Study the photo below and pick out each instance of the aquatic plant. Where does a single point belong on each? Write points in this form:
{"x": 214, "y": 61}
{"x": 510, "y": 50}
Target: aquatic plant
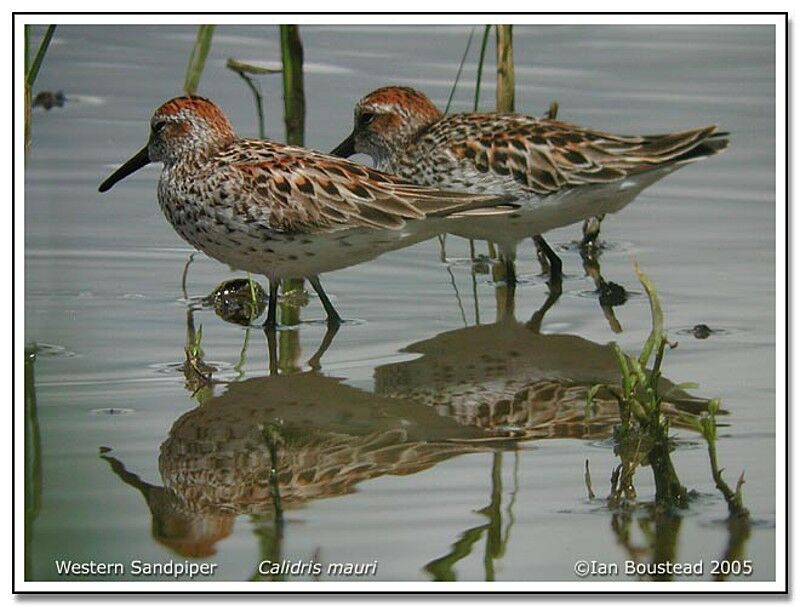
{"x": 479, "y": 75}
{"x": 706, "y": 424}
{"x": 642, "y": 437}
{"x": 497, "y": 538}
{"x": 458, "y": 73}
{"x": 505, "y": 68}
{"x": 294, "y": 100}
{"x": 197, "y": 60}
{"x": 245, "y": 72}
{"x": 32, "y": 70}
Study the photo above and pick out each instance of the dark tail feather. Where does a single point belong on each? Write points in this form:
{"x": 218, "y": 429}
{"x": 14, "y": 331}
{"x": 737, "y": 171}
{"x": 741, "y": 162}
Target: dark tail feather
{"x": 708, "y": 147}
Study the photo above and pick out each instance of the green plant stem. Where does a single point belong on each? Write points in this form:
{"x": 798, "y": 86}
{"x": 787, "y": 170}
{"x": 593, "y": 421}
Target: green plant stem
{"x": 458, "y": 73}
{"x": 484, "y": 41}
{"x": 33, "y": 71}
{"x": 733, "y": 498}
{"x": 294, "y": 103}
{"x": 245, "y": 71}
{"x": 258, "y": 100}
{"x": 197, "y": 60}
{"x": 239, "y": 367}
{"x": 27, "y": 41}
{"x": 587, "y": 478}
{"x": 669, "y": 490}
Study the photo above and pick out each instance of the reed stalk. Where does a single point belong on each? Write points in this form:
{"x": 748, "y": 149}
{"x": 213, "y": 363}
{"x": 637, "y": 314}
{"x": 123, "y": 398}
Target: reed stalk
{"x": 505, "y": 69}
{"x": 294, "y": 101}
{"x": 197, "y": 60}
{"x": 505, "y": 103}
{"x": 294, "y": 117}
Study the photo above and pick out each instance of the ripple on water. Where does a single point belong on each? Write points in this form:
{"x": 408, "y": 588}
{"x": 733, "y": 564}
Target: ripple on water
{"x": 677, "y": 444}
{"x": 703, "y": 331}
{"x": 111, "y": 411}
{"x": 621, "y": 246}
{"x": 176, "y": 368}
{"x": 594, "y": 294}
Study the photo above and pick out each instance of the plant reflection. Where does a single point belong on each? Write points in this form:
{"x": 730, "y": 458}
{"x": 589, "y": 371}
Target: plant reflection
{"x": 441, "y": 569}
{"x": 33, "y": 460}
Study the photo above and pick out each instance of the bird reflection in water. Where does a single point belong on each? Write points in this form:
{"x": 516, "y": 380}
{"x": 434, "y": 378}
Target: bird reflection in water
{"x": 479, "y": 389}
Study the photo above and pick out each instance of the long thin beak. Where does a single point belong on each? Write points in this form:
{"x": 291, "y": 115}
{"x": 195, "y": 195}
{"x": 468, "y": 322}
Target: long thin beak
{"x": 142, "y": 158}
{"x": 346, "y": 148}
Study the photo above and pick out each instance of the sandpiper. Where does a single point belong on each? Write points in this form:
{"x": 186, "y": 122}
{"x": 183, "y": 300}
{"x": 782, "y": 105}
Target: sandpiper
{"x": 523, "y": 156}
{"x": 279, "y": 210}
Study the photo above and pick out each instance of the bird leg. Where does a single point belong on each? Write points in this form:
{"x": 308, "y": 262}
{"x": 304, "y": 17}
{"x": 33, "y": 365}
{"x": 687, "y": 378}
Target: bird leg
{"x": 553, "y": 261}
{"x": 333, "y": 317}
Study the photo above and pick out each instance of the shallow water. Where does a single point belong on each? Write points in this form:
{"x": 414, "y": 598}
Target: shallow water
{"x": 403, "y": 446}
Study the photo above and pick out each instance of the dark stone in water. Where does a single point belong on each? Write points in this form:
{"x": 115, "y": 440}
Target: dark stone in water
{"x": 612, "y": 294}
{"x": 701, "y": 331}
{"x": 49, "y": 100}
{"x": 233, "y": 302}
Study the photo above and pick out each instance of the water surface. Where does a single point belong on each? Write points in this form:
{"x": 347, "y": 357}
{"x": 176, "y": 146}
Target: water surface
{"x": 403, "y": 447}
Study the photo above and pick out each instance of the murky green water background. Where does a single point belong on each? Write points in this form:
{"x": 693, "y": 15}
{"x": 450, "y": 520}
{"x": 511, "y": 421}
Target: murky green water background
{"x": 374, "y": 434}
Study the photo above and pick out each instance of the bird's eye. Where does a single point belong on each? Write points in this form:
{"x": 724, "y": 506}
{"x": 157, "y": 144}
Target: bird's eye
{"x": 366, "y": 118}
{"x": 159, "y": 126}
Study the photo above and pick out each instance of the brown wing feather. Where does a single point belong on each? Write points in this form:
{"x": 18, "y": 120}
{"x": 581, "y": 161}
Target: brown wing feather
{"x": 303, "y": 190}
{"x": 547, "y": 155}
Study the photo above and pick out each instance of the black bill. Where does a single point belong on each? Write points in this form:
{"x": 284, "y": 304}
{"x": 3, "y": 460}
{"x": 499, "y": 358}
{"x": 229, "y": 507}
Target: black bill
{"x": 141, "y": 159}
{"x": 346, "y": 148}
